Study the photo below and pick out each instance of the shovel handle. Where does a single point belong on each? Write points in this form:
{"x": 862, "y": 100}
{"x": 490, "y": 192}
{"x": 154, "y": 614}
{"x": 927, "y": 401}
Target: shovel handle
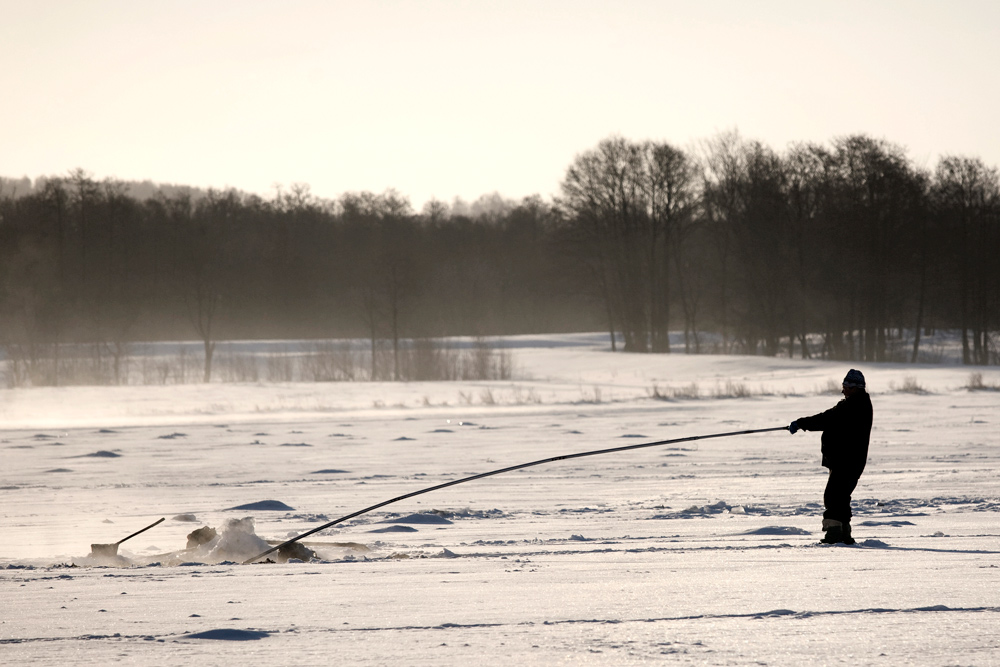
{"x": 140, "y": 531}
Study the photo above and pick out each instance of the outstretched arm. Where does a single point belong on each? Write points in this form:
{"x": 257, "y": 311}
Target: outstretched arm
{"x": 818, "y": 422}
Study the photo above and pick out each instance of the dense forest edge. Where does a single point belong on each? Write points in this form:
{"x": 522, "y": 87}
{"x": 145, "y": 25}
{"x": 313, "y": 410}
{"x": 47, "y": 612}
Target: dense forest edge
{"x": 829, "y": 251}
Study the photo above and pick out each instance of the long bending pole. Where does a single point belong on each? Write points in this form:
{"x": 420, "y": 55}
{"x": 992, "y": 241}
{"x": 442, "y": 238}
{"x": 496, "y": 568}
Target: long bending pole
{"x": 155, "y": 523}
{"x": 503, "y": 470}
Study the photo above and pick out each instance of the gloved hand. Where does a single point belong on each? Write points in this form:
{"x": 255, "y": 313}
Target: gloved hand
{"x": 793, "y": 427}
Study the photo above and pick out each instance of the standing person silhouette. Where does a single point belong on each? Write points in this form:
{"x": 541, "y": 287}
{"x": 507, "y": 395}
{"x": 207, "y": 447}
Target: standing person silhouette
{"x": 846, "y": 428}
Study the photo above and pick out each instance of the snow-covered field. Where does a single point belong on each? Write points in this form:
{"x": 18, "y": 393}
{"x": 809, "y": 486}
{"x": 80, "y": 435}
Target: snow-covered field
{"x": 702, "y": 552}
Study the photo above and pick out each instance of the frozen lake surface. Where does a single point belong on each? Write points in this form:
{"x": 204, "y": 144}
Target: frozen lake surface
{"x": 703, "y": 552}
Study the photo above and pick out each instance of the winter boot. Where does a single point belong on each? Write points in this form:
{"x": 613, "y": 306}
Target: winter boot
{"x": 846, "y": 538}
{"x": 834, "y": 531}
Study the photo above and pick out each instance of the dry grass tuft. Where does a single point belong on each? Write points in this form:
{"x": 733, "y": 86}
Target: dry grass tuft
{"x": 976, "y": 383}
{"x": 909, "y": 386}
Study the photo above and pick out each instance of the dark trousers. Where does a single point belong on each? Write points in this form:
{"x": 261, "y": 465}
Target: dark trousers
{"x": 837, "y": 496}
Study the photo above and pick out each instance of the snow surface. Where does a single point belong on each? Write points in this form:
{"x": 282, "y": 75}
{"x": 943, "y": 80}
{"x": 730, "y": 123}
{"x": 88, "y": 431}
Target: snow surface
{"x": 702, "y": 552}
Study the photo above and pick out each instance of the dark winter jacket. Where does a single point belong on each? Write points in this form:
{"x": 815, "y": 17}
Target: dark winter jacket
{"x": 847, "y": 428}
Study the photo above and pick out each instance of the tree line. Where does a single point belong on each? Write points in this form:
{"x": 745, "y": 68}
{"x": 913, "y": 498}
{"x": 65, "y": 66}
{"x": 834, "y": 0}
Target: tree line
{"x": 831, "y": 250}
{"x": 851, "y": 243}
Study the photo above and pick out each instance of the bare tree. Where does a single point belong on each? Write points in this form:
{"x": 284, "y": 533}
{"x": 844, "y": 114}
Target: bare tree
{"x": 205, "y": 251}
{"x": 626, "y": 201}
{"x": 967, "y": 198}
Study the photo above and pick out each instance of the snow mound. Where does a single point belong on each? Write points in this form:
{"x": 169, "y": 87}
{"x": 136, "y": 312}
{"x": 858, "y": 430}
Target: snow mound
{"x": 894, "y": 524}
{"x": 468, "y": 513}
{"x": 718, "y": 508}
{"x": 877, "y": 544}
{"x": 236, "y": 542}
{"x": 102, "y": 560}
{"x": 229, "y": 635}
{"x": 420, "y": 519}
{"x": 264, "y": 505}
{"x": 776, "y": 612}
{"x": 778, "y": 530}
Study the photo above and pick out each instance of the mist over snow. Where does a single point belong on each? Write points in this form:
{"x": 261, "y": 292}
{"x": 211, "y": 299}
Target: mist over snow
{"x": 698, "y": 552}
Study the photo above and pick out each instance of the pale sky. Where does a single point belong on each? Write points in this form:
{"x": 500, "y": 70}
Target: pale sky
{"x": 462, "y": 98}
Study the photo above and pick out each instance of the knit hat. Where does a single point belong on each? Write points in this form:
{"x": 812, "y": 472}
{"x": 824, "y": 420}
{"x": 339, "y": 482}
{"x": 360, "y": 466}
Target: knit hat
{"x": 854, "y": 379}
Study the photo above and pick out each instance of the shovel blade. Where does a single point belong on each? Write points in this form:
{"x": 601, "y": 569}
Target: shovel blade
{"x": 106, "y": 550}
